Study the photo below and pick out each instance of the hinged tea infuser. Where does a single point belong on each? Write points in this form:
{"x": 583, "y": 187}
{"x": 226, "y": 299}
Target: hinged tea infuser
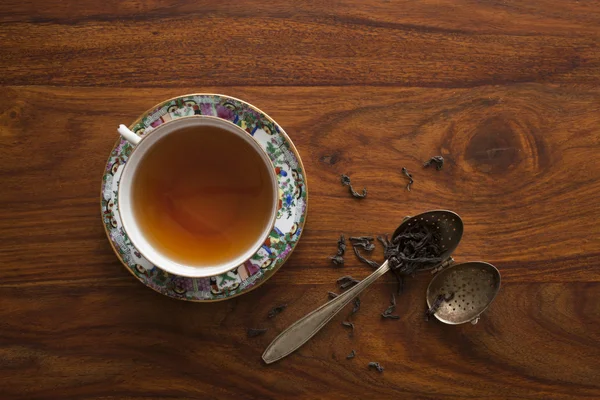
{"x": 469, "y": 288}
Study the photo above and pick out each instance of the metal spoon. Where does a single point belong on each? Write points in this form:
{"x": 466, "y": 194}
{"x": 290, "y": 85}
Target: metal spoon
{"x": 449, "y": 225}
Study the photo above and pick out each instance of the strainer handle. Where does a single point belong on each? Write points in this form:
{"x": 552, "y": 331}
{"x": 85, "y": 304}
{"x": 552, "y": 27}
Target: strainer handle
{"x": 306, "y": 327}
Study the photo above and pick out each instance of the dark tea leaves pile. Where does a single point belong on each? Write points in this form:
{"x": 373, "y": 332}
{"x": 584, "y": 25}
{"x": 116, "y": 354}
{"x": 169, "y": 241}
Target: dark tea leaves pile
{"x": 417, "y": 248}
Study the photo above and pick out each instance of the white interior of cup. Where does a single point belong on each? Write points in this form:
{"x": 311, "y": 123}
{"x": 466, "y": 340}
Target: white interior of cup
{"x": 132, "y": 228}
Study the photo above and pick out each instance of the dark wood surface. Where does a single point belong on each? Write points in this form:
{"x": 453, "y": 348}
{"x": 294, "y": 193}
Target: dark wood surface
{"x": 507, "y": 91}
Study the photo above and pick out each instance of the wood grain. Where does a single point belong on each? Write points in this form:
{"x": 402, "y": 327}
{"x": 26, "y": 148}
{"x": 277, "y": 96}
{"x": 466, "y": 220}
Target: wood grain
{"x": 400, "y": 43}
{"x": 508, "y": 92}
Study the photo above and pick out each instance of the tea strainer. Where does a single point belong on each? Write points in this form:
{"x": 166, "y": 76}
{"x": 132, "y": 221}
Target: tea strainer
{"x": 472, "y": 286}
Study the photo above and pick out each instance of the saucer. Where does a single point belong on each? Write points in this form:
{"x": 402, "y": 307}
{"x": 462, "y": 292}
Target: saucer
{"x": 291, "y": 213}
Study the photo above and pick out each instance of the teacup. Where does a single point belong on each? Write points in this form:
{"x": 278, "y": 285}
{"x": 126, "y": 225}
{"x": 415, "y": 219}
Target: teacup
{"x": 198, "y": 195}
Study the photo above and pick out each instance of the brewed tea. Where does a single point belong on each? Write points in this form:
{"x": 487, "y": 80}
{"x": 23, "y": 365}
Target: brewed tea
{"x": 202, "y": 196}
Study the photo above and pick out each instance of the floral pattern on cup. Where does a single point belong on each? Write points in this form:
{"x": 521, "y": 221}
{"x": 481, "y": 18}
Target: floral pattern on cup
{"x": 290, "y": 217}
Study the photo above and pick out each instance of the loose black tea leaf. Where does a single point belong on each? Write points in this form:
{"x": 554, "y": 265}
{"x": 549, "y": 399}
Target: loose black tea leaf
{"x": 437, "y": 304}
{"x": 341, "y": 245}
{"x": 349, "y": 325}
{"x": 366, "y": 261}
{"x": 409, "y": 176}
{"x": 358, "y": 195}
{"x": 252, "y": 332}
{"x": 363, "y": 242}
{"x": 388, "y": 311}
{"x": 356, "y": 305}
{"x": 399, "y": 281}
{"x": 276, "y": 310}
{"x": 347, "y": 281}
{"x": 347, "y": 284}
{"x": 346, "y": 182}
{"x": 389, "y": 251}
{"x": 376, "y": 365}
{"x": 337, "y": 260}
{"x": 361, "y": 238}
{"x": 351, "y": 355}
{"x": 332, "y": 295}
{"x": 344, "y": 278}
{"x": 364, "y": 245}
{"x": 437, "y": 160}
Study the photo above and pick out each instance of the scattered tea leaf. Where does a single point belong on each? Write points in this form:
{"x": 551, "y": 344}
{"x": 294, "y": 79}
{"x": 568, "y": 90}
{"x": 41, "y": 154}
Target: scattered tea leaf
{"x": 341, "y": 245}
{"x": 346, "y": 182}
{"x": 254, "y": 332}
{"x": 361, "y": 238}
{"x": 337, "y": 260}
{"x": 356, "y": 305}
{"x": 358, "y": 195}
{"x": 351, "y": 355}
{"x": 365, "y": 246}
{"x": 276, "y": 310}
{"x": 399, "y": 279}
{"x": 388, "y": 311}
{"x": 332, "y": 295}
{"x": 347, "y": 281}
{"x": 437, "y": 160}
{"x": 349, "y": 325}
{"x": 437, "y": 304}
{"x": 366, "y": 261}
{"x": 409, "y": 176}
{"x": 347, "y": 284}
{"x": 376, "y": 365}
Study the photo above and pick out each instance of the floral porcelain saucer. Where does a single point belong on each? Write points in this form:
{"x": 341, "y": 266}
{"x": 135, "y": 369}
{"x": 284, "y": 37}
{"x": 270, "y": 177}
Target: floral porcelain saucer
{"x": 290, "y": 216}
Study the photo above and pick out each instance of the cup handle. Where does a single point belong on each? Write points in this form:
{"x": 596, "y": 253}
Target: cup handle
{"x": 128, "y": 135}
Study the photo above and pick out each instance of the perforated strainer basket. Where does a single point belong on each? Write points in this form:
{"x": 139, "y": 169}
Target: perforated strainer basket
{"x": 470, "y": 287}
{"x": 474, "y": 286}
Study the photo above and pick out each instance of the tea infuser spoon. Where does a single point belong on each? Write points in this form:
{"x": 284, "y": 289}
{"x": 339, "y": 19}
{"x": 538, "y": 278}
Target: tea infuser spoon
{"x": 450, "y": 227}
{"x": 472, "y": 286}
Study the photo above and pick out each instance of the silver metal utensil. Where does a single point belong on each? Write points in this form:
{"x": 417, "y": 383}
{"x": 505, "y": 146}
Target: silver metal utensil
{"x": 450, "y": 227}
{"x": 472, "y": 287}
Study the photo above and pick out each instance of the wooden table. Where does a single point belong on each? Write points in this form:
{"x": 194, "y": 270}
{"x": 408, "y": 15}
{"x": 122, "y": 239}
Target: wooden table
{"x": 507, "y": 91}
